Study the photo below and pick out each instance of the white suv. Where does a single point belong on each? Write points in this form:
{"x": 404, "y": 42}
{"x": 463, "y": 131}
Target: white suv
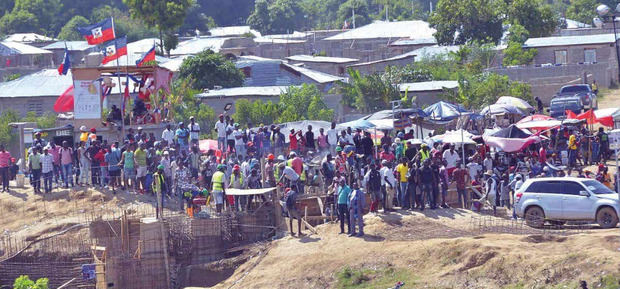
{"x": 558, "y": 200}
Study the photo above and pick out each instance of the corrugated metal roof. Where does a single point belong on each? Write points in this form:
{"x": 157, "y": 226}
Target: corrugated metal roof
{"x": 428, "y": 85}
{"x": 572, "y": 24}
{"x": 380, "y": 29}
{"x": 569, "y": 40}
{"x": 174, "y": 64}
{"x": 133, "y": 57}
{"x": 20, "y": 48}
{"x": 46, "y": 82}
{"x": 27, "y": 37}
{"x": 325, "y": 59}
{"x": 419, "y": 41}
{"x": 142, "y": 46}
{"x": 233, "y": 31}
{"x": 245, "y": 91}
{"x": 294, "y": 35}
{"x": 71, "y": 45}
{"x": 435, "y": 50}
{"x": 394, "y": 58}
{"x": 197, "y": 45}
{"x": 317, "y": 76}
{"x": 278, "y": 40}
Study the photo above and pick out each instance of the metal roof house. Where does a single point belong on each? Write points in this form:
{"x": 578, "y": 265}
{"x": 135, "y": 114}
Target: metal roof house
{"x": 34, "y": 92}
{"x": 16, "y": 54}
{"x": 218, "y": 98}
{"x": 34, "y": 39}
{"x": 231, "y": 47}
{"x": 427, "y": 92}
{"x": 562, "y": 50}
{"x": 77, "y": 50}
{"x": 330, "y": 65}
{"x": 374, "y": 41}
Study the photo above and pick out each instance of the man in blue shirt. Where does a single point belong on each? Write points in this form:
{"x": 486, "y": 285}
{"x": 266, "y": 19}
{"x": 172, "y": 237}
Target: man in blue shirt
{"x": 182, "y": 135}
{"x": 357, "y": 202}
{"x": 343, "y": 208}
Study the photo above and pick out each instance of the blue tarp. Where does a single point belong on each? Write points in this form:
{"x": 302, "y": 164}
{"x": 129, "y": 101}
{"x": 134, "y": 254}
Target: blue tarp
{"x": 443, "y": 111}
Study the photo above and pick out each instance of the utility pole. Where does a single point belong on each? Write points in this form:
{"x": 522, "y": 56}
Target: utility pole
{"x": 387, "y": 8}
{"x": 353, "y": 17}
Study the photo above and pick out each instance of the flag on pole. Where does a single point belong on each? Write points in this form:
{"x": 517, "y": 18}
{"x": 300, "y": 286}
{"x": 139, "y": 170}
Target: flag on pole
{"x": 146, "y": 57}
{"x": 114, "y": 49}
{"x": 98, "y": 33}
{"x": 65, "y": 65}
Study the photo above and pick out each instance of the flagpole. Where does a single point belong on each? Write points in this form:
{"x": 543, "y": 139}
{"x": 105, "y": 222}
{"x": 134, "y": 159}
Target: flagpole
{"x": 120, "y": 91}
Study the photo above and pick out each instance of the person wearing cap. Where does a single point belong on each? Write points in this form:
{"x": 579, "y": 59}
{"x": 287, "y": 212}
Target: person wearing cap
{"x": 66, "y": 162}
{"x": 238, "y": 134}
{"x": 83, "y": 133}
{"x": 388, "y": 181}
{"x": 219, "y": 187}
{"x": 270, "y": 171}
{"x": 85, "y": 161}
{"x": 140, "y": 156}
{"x": 399, "y": 148}
{"x": 138, "y": 136}
{"x": 194, "y": 130}
{"x": 38, "y": 140}
{"x": 168, "y": 135}
{"x": 47, "y": 169}
{"x": 34, "y": 165}
{"x": 237, "y": 182}
{"x": 182, "y": 136}
{"x": 5, "y": 162}
{"x": 159, "y": 188}
{"x": 401, "y": 171}
{"x": 167, "y": 163}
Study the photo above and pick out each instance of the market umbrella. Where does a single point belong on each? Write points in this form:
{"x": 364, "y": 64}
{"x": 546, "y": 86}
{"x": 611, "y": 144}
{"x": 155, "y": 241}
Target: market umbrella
{"x": 443, "y": 111}
{"x": 535, "y": 117}
{"x": 64, "y": 103}
{"x": 359, "y": 123}
{"x": 516, "y": 102}
{"x": 501, "y": 108}
{"x": 455, "y": 137}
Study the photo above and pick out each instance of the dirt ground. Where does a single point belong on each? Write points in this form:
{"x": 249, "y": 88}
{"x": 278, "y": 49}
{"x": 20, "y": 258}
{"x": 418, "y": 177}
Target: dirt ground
{"x": 424, "y": 252}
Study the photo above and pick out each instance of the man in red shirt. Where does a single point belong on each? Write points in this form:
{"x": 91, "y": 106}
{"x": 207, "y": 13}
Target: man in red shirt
{"x": 292, "y": 138}
{"x": 5, "y": 162}
{"x": 460, "y": 178}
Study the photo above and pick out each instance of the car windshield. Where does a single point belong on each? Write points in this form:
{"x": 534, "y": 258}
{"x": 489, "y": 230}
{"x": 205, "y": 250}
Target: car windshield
{"x": 597, "y": 188}
{"x": 575, "y": 89}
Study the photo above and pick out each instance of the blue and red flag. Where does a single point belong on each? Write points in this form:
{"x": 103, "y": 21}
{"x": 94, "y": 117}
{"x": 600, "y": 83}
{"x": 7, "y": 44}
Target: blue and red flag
{"x": 65, "y": 65}
{"x": 146, "y": 57}
{"x": 98, "y": 33}
{"x": 114, "y": 49}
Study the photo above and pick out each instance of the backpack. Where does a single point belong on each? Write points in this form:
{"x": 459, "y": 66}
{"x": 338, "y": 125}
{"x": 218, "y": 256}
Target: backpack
{"x": 374, "y": 180}
{"x": 291, "y": 198}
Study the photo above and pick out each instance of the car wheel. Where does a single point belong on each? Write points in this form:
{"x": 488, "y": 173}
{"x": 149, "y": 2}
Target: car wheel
{"x": 606, "y": 218}
{"x": 535, "y": 217}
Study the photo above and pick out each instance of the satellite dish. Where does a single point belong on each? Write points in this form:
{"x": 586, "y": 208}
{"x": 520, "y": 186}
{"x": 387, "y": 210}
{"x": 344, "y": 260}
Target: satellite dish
{"x": 602, "y": 9}
{"x": 598, "y": 22}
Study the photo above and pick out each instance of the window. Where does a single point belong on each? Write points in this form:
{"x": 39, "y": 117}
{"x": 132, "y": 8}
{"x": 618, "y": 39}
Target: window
{"x": 560, "y": 57}
{"x": 589, "y": 55}
{"x": 36, "y": 107}
{"x": 545, "y": 187}
{"x": 597, "y": 188}
{"x": 571, "y": 188}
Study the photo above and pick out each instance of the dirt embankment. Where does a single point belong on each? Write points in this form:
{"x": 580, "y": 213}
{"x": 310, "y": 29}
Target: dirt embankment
{"x": 425, "y": 252}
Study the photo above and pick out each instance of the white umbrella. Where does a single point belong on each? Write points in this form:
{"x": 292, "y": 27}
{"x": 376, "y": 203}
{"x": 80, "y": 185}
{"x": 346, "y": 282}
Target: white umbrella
{"x": 516, "y": 102}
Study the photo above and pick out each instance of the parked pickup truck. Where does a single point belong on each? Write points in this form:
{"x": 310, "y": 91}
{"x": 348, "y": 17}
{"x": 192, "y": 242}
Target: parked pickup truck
{"x": 584, "y": 91}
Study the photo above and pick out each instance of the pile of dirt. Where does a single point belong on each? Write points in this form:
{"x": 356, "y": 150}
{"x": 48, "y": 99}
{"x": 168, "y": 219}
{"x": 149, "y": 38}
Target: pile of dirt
{"x": 383, "y": 257}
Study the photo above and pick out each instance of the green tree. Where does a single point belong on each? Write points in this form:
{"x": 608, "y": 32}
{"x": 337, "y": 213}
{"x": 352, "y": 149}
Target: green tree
{"x": 184, "y": 104}
{"x": 229, "y": 12}
{"x": 170, "y": 42}
{"x": 45, "y": 11}
{"x": 514, "y": 54}
{"x": 460, "y": 21}
{"x": 208, "y": 69}
{"x": 303, "y": 102}
{"x": 6, "y": 117}
{"x": 582, "y": 10}
{"x": 285, "y": 16}
{"x": 196, "y": 19}
{"x": 164, "y": 15}
{"x": 69, "y": 31}
{"x": 367, "y": 93}
{"x": 23, "y": 282}
{"x": 259, "y": 19}
{"x": 20, "y": 21}
{"x": 537, "y": 17}
{"x": 362, "y": 14}
{"x": 47, "y": 120}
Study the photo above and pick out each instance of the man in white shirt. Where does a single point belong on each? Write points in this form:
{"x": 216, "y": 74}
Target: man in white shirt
{"x": 487, "y": 163}
{"x": 332, "y": 138}
{"x": 350, "y": 136}
{"x": 220, "y": 127}
{"x": 239, "y": 144}
{"x": 474, "y": 169}
{"x": 194, "y": 130}
{"x": 168, "y": 135}
{"x": 388, "y": 181}
{"x": 451, "y": 157}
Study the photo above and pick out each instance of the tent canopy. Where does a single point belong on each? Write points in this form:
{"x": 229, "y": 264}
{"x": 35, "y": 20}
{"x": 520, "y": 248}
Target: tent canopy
{"x": 357, "y": 124}
{"x": 512, "y": 132}
{"x": 535, "y": 117}
{"x": 387, "y": 114}
{"x": 443, "y": 111}
{"x": 495, "y": 109}
{"x": 455, "y": 137}
{"x": 516, "y": 102}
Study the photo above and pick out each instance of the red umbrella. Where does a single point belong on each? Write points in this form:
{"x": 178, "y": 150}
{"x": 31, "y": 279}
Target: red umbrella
{"x": 535, "y": 117}
{"x": 64, "y": 103}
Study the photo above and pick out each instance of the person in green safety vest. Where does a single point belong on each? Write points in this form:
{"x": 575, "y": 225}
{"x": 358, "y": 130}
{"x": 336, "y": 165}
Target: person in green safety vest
{"x": 424, "y": 153}
{"x": 159, "y": 187}
{"x": 219, "y": 187}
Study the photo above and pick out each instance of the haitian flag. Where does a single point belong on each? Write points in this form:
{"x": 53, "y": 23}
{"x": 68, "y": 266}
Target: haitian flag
{"x": 114, "y": 49}
{"x": 65, "y": 65}
{"x": 98, "y": 33}
{"x": 146, "y": 57}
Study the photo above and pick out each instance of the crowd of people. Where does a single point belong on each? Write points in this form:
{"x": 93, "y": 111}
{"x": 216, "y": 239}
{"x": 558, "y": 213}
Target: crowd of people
{"x": 395, "y": 171}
